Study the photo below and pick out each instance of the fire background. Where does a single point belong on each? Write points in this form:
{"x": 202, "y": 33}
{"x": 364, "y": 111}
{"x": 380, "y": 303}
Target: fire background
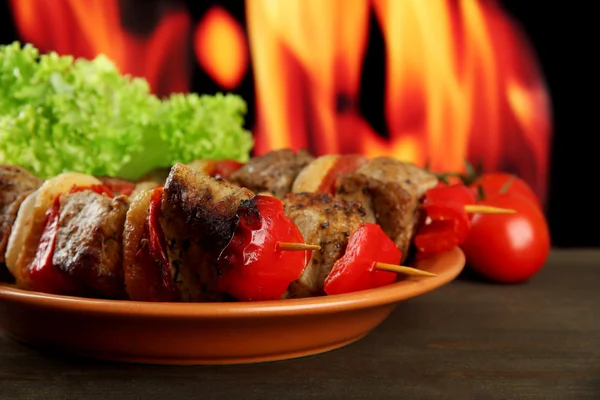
{"x": 560, "y": 35}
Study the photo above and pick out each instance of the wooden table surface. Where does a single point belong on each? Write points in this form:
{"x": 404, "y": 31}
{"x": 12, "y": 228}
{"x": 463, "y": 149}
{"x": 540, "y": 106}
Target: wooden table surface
{"x": 467, "y": 340}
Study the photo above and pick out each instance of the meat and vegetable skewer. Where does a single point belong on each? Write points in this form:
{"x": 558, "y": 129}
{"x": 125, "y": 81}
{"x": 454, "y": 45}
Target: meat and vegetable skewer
{"x": 180, "y": 241}
{"x": 66, "y": 238}
{"x": 391, "y": 192}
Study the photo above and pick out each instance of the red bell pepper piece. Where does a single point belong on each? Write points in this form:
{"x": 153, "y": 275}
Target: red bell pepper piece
{"x": 44, "y": 276}
{"x": 153, "y": 281}
{"x": 457, "y": 193}
{"x": 156, "y": 242}
{"x": 356, "y": 269}
{"x": 100, "y": 189}
{"x": 345, "y": 164}
{"x": 224, "y": 168}
{"x": 252, "y": 266}
{"x": 448, "y": 223}
{"x": 118, "y": 185}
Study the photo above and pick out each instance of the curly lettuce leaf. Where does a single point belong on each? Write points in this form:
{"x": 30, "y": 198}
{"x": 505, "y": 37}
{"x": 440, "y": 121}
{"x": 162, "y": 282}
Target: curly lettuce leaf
{"x": 59, "y": 114}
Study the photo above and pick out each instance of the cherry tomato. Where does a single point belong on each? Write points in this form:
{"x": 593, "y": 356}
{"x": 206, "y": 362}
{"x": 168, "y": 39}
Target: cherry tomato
{"x": 495, "y": 183}
{"x": 508, "y": 248}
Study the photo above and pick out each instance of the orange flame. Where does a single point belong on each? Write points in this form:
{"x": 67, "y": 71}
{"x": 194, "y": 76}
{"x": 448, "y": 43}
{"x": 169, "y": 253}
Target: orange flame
{"x": 88, "y": 28}
{"x": 221, "y": 49}
{"x": 460, "y": 83}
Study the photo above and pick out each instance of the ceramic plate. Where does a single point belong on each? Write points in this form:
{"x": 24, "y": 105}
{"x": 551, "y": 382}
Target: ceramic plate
{"x": 210, "y": 333}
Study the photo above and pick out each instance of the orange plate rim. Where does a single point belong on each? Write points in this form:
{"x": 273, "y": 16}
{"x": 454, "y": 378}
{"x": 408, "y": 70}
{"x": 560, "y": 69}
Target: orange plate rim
{"x": 411, "y": 286}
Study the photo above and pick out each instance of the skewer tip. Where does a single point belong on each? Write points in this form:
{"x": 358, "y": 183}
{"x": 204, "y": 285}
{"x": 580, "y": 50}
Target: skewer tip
{"x": 483, "y": 209}
{"x": 400, "y": 269}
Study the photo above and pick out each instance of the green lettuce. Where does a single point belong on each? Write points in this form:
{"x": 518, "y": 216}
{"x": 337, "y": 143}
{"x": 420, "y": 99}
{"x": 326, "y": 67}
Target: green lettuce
{"x": 62, "y": 114}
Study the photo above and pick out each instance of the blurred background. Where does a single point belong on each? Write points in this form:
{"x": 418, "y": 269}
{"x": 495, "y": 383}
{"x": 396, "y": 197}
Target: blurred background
{"x": 435, "y": 81}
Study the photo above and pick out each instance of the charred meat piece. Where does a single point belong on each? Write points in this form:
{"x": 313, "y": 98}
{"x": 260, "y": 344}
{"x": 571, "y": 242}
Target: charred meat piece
{"x": 391, "y": 192}
{"x": 327, "y": 222}
{"x": 274, "y": 172}
{"x": 198, "y": 220}
{"x": 16, "y": 183}
{"x": 89, "y": 245}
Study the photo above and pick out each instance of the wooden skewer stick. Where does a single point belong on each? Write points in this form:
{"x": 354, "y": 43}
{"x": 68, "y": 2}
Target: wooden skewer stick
{"x": 482, "y": 209}
{"x": 298, "y": 246}
{"x": 403, "y": 270}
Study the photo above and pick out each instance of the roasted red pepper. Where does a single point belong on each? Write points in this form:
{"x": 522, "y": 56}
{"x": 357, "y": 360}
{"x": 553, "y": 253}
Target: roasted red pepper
{"x": 44, "y": 276}
{"x": 345, "y": 164}
{"x": 118, "y": 185}
{"x": 153, "y": 279}
{"x": 356, "y": 269}
{"x": 447, "y": 222}
{"x": 224, "y": 168}
{"x": 100, "y": 189}
{"x": 156, "y": 239}
{"x": 252, "y": 266}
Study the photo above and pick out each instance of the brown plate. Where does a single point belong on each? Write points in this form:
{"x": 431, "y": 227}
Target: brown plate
{"x": 210, "y": 333}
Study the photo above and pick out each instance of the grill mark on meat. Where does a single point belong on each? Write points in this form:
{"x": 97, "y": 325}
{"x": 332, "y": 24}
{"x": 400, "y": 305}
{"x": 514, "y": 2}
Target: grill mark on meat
{"x": 16, "y": 184}
{"x": 325, "y": 221}
{"x": 198, "y": 220}
{"x": 89, "y": 244}
{"x": 273, "y": 172}
{"x": 391, "y": 192}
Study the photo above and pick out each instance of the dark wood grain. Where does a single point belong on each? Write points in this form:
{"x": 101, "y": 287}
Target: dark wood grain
{"x": 468, "y": 340}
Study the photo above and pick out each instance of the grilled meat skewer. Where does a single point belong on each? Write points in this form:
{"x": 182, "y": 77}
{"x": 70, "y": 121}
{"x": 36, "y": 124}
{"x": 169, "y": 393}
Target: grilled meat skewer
{"x": 391, "y": 193}
{"x": 273, "y": 172}
{"x": 327, "y": 222}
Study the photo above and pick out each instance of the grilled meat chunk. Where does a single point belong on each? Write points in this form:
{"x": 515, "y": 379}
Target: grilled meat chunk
{"x": 198, "y": 220}
{"x": 327, "y": 222}
{"x": 89, "y": 245}
{"x": 391, "y": 192}
{"x": 274, "y": 172}
{"x": 16, "y": 183}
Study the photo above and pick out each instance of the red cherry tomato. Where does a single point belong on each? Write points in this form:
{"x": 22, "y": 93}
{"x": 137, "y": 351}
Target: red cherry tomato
{"x": 495, "y": 183}
{"x": 508, "y": 248}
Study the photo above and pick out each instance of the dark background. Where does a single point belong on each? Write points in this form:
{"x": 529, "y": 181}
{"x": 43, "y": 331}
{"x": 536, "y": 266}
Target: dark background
{"x": 561, "y": 34}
